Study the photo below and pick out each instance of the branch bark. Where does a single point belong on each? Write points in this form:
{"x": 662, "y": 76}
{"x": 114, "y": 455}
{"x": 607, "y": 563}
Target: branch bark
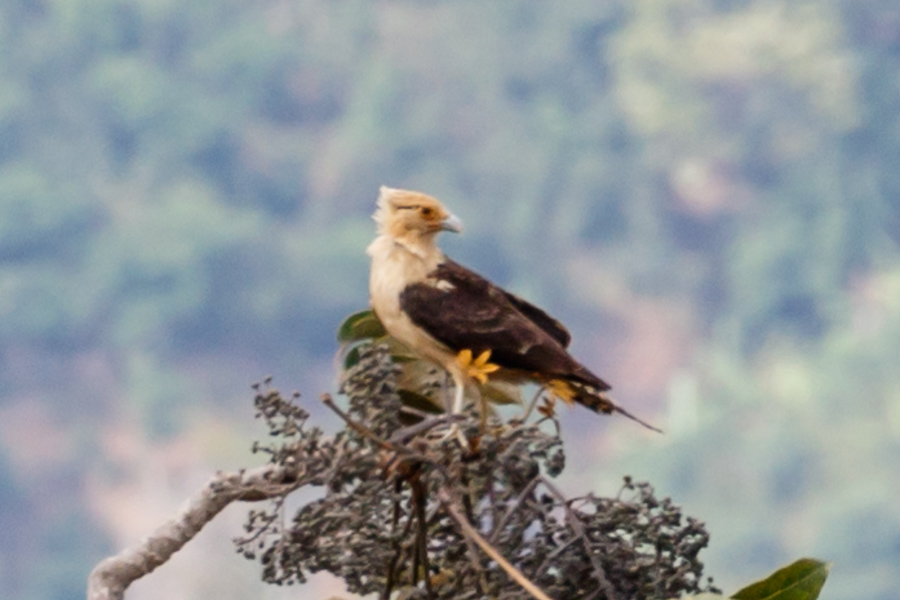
{"x": 470, "y": 532}
{"x": 112, "y": 576}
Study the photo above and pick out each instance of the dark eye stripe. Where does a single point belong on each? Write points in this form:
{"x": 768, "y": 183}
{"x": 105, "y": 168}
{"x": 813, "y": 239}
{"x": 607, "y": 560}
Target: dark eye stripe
{"x": 407, "y": 207}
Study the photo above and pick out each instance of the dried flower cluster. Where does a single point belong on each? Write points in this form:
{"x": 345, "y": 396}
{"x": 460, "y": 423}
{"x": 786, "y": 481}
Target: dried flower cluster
{"x": 408, "y": 511}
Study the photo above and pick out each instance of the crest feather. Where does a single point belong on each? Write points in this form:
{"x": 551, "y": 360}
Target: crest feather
{"x": 391, "y": 198}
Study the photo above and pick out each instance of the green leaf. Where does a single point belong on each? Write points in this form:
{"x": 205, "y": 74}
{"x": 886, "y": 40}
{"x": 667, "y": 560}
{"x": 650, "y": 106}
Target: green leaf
{"x": 351, "y": 358}
{"x": 801, "y": 580}
{"x": 419, "y": 401}
{"x": 501, "y": 392}
{"x": 362, "y": 325}
{"x": 404, "y": 358}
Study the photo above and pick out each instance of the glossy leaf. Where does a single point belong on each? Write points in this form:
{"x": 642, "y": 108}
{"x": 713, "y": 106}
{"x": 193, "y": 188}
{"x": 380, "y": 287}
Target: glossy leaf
{"x": 501, "y": 392}
{"x": 801, "y": 580}
{"x": 351, "y": 358}
{"x": 363, "y": 325}
{"x": 419, "y": 401}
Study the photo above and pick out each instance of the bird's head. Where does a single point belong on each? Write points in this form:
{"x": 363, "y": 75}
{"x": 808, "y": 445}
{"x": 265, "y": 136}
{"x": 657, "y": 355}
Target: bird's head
{"x": 412, "y": 216}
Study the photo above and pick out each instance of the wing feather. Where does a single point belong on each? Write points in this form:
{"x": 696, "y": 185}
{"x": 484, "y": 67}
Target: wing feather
{"x": 455, "y": 274}
{"x": 464, "y": 310}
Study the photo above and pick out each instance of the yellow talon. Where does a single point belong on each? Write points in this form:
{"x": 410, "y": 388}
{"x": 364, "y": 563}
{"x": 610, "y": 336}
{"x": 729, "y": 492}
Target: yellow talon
{"x": 478, "y": 368}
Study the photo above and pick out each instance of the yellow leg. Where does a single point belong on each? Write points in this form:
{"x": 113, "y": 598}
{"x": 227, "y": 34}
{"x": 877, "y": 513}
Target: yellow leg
{"x": 446, "y": 398}
{"x": 459, "y": 397}
{"x": 459, "y": 403}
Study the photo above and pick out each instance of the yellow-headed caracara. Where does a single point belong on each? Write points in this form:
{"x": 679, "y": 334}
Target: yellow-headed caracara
{"x": 460, "y": 320}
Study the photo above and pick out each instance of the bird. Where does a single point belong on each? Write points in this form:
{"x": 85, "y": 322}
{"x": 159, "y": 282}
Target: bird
{"x": 459, "y": 320}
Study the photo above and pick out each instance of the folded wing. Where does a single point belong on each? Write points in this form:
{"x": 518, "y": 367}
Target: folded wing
{"x": 463, "y": 310}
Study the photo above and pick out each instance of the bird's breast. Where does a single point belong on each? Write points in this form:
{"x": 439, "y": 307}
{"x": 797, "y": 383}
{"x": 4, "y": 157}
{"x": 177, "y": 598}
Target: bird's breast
{"x": 393, "y": 269}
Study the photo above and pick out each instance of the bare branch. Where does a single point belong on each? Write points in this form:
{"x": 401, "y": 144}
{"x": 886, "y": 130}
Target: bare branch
{"x": 472, "y": 533}
{"x": 576, "y": 526}
{"x": 111, "y": 577}
{"x": 501, "y": 523}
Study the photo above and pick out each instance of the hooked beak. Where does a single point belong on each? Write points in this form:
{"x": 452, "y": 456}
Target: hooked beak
{"x": 452, "y": 223}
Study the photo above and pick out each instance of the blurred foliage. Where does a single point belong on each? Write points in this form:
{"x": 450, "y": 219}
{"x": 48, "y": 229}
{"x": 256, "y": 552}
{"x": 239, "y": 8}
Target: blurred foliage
{"x": 186, "y": 185}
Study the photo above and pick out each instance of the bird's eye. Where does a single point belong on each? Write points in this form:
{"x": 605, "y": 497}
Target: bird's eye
{"x": 427, "y": 212}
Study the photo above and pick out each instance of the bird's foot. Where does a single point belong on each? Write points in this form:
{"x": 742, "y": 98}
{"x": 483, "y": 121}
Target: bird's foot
{"x": 476, "y": 368}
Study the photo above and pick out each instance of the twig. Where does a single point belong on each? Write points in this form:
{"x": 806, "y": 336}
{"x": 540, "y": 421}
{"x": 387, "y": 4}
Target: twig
{"x": 577, "y": 527}
{"x": 512, "y": 508}
{"x": 532, "y": 404}
{"x": 364, "y": 431}
{"x": 415, "y": 412}
{"x": 357, "y": 427}
{"x": 474, "y": 559}
{"x": 268, "y": 527}
{"x": 470, "y": 532}
{"x": 559, "y": 550}
{"x": 398, "y": 546}
{"x": 419, "y": 499}
{"x": 431, "y": 421}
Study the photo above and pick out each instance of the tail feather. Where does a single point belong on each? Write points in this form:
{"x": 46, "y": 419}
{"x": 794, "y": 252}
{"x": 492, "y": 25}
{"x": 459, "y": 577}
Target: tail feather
{"x": 595, "y": 399}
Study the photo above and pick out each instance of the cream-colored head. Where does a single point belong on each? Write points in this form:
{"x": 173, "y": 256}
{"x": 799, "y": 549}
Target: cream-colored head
{"x": 412, "y": 217}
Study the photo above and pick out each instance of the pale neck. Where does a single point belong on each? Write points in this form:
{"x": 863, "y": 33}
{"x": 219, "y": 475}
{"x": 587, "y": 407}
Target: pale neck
{"x": 422, "y": 247}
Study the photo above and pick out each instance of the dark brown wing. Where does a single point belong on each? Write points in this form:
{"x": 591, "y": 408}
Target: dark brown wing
{"x": 537, "y": 316}
{"x": 456, "y": 274}
{"x": 464, "y": 310}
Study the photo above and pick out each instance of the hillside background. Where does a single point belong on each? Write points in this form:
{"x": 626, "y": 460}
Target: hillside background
{"x": 706, "y": 191}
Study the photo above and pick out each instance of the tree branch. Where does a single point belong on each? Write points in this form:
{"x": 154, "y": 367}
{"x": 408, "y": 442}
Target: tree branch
{"x": 578, "y": 528}
{"x": 470, "y": 532}
{"x": 112, "y": 576}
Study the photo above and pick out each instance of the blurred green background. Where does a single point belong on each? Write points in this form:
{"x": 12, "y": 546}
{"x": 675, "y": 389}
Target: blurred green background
{"x": 706, "y": 191}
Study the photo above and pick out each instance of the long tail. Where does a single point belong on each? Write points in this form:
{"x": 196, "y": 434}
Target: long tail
{"x": 589, "y": 396}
